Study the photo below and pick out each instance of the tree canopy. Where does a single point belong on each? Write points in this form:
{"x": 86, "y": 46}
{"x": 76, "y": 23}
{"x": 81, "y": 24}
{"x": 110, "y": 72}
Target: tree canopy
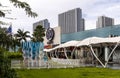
{"x": 5, "y": 66}
{"x": 38, "y": 34}
{"x": 22, "y": 5}
{"x": 22, "y": 35}
{"x": 18, "y": 4}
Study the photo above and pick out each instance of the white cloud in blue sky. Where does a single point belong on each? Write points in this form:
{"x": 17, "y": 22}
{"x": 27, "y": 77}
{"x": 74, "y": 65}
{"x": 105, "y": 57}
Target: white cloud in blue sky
{"x": 50, "y": 9}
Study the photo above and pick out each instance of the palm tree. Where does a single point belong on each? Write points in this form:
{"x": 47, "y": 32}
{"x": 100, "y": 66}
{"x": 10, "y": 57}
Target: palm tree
{"x": 14, "y": 43}
{"x": 21, "y": 35}
{"x": 2, "y": 39}
{"x": 38, "y": 34}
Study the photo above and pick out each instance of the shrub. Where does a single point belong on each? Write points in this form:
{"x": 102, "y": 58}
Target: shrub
{"x": 13, "y": 55}
{"x": 5, "y": 66}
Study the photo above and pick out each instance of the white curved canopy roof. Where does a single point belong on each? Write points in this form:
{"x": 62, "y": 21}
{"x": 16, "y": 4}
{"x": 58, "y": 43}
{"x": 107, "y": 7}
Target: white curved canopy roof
{"x": 47, "y": 50}
{"x": 67, "y": 44}
{"x": 86, "y": 42}
{"x": 90, "y": 40}
{"x": 98, "y": 40}
{"x": 70, "y": 43}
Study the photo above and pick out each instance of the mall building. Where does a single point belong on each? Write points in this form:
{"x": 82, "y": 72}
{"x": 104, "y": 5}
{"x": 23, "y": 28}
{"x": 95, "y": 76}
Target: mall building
{"x": 110, "y": 31}
{"x": 57, "y": 38}
{"x": 83, "y": 54}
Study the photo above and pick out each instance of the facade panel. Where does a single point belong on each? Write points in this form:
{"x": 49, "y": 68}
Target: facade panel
{"x": 101, "y": 32}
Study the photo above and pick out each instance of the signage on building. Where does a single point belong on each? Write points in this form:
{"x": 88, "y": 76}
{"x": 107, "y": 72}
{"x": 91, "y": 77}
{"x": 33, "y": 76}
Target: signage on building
{"x": 50, "y": 35}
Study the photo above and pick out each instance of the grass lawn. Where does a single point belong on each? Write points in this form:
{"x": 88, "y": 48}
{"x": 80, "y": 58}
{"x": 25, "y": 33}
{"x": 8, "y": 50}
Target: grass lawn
{"x": 83, "y": 72}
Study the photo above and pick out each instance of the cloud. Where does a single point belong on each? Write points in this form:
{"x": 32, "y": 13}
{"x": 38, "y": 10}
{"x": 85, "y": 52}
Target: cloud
{"x": 108, "y": 8}
{"x": 50, "y": 9}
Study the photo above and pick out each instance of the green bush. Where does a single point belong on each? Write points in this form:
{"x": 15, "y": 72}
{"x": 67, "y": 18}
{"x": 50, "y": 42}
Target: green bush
{"x": 13, "y": 55}
{"x": 5, "y": 66}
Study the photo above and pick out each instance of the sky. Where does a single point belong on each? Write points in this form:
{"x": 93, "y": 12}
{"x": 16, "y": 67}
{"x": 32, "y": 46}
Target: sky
{"x": 49, "y": 9}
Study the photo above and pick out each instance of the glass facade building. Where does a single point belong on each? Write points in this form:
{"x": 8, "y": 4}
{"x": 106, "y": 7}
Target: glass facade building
{"x": 71, "y": 21}
{"x": 104, "y": 21}
{"x": 101, "y": 32}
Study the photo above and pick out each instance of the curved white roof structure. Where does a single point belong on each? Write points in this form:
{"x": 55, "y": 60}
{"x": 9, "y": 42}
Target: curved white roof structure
{"x": 91, "y": 40}
{"x": 98, "y": 40}
{"x": 67, "y": 44}
{"x": 86, "y": 42}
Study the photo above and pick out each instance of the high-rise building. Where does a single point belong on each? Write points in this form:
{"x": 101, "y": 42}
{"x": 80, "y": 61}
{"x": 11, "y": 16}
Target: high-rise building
{"x": 104, "y": 21}
{"x": 71, "y": 21}
{"x": 45, "y": 23}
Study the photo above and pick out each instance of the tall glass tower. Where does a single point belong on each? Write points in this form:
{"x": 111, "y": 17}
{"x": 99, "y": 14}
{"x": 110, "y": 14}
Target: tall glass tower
{"x": 104, "y": 21}
{"x": 71, "y": 21}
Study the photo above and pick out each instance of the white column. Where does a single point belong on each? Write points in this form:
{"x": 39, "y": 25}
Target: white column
{"x": 76, "y": 54}
{"x": 107, "y": 52}
{"x": 81, "y": 52}
{"x": 65, "y": 52}
{"x": 82, "y": 60}
{"x": 56, "y": 54}
{"x": 73, "y": 52}
{"x": 97, "y": 54}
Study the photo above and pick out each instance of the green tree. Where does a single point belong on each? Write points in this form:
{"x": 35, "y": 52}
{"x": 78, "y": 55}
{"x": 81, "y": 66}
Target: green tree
{"x": 5, "y": 39}
{"x": 8, "y": 40}
{"x": 38, "y": 34}
{"x": 22, "y": 5}
{"x": 2, "y": 33}
{"x": 5, "y": 67}
{"x": 14, "y": 43}
{"x": 17, "y": 4}
{"x": 21, "y": 35}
